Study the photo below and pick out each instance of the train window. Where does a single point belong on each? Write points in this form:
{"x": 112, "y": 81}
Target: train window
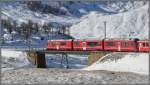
{"x": 76, "y": 43}
{"x": 62, "y": 43}
{"x": 144, "y": 44}
{"x": 147, "y": 45}
{"x": 93, "y": 43}
{"x": 124, "y": 44}
{"x": 132, "y": 44}
{"x": 110, "y": 43}
{"x": 53, "y": 44}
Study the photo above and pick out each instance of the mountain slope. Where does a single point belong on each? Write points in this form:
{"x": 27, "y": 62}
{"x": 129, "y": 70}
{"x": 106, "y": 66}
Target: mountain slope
{"x": 131, "y": 24}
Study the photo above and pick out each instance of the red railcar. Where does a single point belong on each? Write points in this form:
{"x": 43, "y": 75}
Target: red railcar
{"x": 59, "y": 45}
{"x": 108, "y": 45}
{"x": 120, "y": 45}
{"x": 88, "y": 45}
{"x": 143, "y": 46}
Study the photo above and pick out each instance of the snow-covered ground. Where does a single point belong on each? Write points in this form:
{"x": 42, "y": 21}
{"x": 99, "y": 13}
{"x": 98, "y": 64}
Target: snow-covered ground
{"x": 13, "y": 60}
{"x": 130, "y": 62}
{"x": 63, "y": 76}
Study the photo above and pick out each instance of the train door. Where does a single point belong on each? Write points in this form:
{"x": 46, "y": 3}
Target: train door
{"x": 57, "y": 45}
{"x": 140, "y": 46}
{"x": 119, "y": 46}
{"x": 84, "y": 45}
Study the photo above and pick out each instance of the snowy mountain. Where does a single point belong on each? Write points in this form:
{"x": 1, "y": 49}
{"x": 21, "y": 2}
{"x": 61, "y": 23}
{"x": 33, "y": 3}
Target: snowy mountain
{"x": 130, "y": 24}
{"x": 22, "y": 11}
{"x": 79, "y": 8}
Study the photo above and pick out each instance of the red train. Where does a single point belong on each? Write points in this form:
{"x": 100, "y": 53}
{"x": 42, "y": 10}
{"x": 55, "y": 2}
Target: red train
{"x": 95, "y": 45}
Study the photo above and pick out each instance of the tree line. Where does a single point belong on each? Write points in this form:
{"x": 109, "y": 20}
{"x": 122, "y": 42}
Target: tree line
{"x": 24, "y": 29}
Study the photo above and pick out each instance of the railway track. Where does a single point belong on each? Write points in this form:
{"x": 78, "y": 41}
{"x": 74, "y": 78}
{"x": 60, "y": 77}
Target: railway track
{"x": 44, "y": 50}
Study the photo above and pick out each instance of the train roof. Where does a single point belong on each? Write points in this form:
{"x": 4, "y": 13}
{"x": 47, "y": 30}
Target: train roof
{"x": 61, "y": 40}
{"x": 125, "y": 39}
{"x": 95, "y": 39}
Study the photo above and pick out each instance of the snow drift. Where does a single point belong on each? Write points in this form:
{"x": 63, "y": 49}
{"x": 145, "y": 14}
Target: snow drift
{"x": 131, "y": 24}
{"x": 131, "y": 62}
{"x": 13, "y": 59}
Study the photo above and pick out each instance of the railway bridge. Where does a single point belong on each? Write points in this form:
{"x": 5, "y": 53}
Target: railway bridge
{"x": 36, "y": 55}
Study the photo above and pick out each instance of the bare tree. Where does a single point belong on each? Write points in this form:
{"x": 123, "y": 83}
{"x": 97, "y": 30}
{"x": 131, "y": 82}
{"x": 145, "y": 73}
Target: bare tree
{"x": 24, "y": 31}
{"x": 46, "y": 28}
{"x": 36, "y": 27}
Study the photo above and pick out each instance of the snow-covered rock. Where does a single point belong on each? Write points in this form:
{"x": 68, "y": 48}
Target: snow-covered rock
{"x": 7, "y": 37}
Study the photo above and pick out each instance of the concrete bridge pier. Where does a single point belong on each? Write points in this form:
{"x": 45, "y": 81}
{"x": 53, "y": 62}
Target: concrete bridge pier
{"x": 37, "y": 58}
{"x": 95, "y": 56}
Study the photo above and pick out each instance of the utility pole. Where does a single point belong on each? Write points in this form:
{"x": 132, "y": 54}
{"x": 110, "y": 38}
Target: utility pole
{"x": 105, "y": 30}
{"x": 108, "y": 2}
{"x": 29, "y": 41}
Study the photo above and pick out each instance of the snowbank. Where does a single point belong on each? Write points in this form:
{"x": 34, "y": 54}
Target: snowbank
{"x": 131, "y": 62}
{"x": 13, "y": 59}
{"x": 130, "y": 24}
